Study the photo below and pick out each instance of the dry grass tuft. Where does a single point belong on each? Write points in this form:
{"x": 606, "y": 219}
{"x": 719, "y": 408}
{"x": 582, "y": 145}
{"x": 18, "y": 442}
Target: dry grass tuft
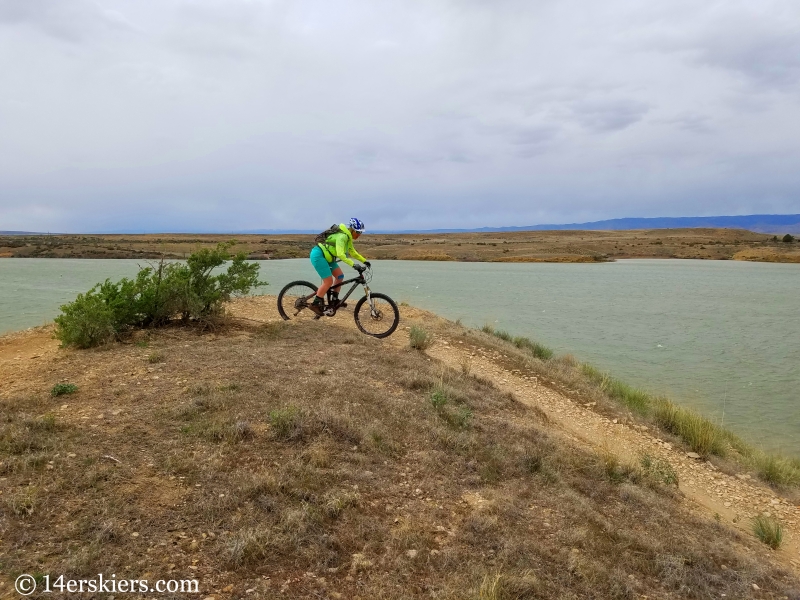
{"x": 419, "y": 338}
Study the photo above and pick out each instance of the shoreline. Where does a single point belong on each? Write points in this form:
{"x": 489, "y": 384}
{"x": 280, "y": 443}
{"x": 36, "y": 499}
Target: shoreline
{"x": 633, "y": 399}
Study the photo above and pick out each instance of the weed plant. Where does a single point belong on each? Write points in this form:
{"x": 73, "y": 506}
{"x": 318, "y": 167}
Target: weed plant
{"x": 768, "y": 530}
{"x": 419, "y": 338}
{"x": 60, "y": 389}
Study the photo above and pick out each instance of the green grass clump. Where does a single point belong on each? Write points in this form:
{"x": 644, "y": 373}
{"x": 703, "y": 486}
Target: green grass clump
{"x": 503, "y": 335}
{"x": 457, "y": 417}
{"x": 439, "y": 397}
{"x": 635, "y": 399}
{"x": 538, "y": 350}
{"x": 659, "y": 470}
{"x": 155, "y": 357}
{"x": 419, "y": 338}
{"x": 700, "y": 434}
{"x": 60, "y": 389}
{"x": 777, "y": 469}
{"x": 768, "y": 530}
{"x": 287, "y": 423}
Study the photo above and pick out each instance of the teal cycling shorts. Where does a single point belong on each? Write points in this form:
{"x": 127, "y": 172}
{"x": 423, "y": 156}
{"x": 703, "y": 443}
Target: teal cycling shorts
{"x": 321, "y": 265}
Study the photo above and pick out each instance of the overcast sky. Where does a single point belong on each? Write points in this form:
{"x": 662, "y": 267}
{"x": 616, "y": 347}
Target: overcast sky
{"x": 201, "y": 115}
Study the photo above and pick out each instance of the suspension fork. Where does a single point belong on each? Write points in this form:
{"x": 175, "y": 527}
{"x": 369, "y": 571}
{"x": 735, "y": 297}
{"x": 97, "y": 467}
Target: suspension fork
{"x": 369, "y": 298}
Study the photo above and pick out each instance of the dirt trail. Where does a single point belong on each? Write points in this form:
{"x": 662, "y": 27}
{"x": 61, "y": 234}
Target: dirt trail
{"x": 736, "y": 499}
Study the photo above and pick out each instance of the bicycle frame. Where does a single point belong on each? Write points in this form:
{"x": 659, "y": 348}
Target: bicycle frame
{"x": 355, "y": 281}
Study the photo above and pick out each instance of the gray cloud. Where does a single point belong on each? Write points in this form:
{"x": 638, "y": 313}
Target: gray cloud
{"x": 238, "y": 114}
{"x": 608, "y": 115}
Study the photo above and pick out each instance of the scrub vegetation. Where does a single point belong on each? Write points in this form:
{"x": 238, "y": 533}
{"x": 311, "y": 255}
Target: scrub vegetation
{"x": 512, "y": 246}
{"x": 159, "y": 294}
{"x": 238, "y": 461}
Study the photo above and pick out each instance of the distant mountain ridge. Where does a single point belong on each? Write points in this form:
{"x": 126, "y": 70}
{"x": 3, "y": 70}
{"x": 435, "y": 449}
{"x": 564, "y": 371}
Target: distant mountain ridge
{"x": 775, "y": 224}
{"x": 759, "y": 223}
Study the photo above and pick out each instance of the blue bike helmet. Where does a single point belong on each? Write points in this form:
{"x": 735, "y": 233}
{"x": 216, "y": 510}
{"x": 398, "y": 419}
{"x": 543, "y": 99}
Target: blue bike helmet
{"x": 356, "y": 225}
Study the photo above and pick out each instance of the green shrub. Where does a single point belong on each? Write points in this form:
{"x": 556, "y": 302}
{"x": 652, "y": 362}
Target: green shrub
{"x": 788, "y": 238}
{"x": 419, "y": 339}
{"x": 768, "y": 530}
{"x": 156, "y": 296}
{"x": 60, "y": 389}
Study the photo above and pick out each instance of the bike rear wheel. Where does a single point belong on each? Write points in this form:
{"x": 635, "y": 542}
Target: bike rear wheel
{"x": 293, "y": 301}
{"x": 379, "y": 320}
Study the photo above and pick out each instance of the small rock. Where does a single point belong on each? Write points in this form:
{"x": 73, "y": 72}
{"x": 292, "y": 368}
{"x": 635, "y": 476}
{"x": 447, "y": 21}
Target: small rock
{"x": 755, "y": 587}
{"x": 693, "y": 455}
{"x": 411, "y": 553}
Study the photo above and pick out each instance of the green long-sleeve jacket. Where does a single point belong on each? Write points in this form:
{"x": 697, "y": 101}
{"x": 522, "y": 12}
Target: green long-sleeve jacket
{"x": 338, "y": 245}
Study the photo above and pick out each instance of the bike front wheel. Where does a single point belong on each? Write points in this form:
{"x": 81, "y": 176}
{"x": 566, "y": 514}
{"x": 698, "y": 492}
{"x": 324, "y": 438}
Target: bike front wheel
{"x": 378, "y": 318}
{"x": 294, "y": 299}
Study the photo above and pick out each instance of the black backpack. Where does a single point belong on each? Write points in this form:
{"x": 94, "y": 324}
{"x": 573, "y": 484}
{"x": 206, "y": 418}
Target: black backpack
{"x": 322, "y": 237}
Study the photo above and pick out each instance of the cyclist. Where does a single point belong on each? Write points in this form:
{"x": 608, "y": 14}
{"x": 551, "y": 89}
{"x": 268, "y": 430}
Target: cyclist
{"x": 323, "y": 257}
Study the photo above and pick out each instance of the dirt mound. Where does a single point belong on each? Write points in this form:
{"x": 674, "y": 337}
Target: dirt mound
{"x": 310, "y": 461}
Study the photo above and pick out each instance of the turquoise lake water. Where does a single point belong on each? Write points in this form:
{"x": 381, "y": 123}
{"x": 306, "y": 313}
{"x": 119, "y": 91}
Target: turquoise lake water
{"x": 720, "y": 336}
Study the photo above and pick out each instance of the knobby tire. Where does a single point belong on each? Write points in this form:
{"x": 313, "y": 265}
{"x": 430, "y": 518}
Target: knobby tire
{"x": 382, "y": 326}
{"x": 289, "y": 294}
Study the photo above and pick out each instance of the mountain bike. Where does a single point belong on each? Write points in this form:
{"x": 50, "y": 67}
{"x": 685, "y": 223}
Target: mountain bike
{"x": 375, "y": 314}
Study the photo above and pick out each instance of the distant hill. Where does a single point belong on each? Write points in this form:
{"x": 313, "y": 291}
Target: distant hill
{"x": 757, "y": 223}
{"x": 775, "y": 224}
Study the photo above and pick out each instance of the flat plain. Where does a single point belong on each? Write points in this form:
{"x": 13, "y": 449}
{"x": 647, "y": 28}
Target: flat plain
{"x": 518, "y": 246}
